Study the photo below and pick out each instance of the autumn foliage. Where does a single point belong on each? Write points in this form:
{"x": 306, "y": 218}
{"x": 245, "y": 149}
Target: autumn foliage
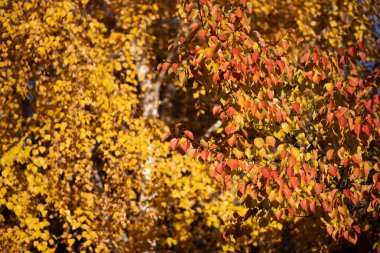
{"x": 196, "y": 126}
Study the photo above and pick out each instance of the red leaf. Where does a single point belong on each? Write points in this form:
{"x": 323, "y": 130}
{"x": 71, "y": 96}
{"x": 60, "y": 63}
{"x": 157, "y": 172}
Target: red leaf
{"x": 296, "y": 107}
{"x": 193, "y": 26}
{"x": 192, "y": 153}
{"x": 204, "y": 155}
{"x": 230, "y": 129}
{"x": 367, "y": 130}
{"x": 333, "y": 170}
{"x": 219, "y": 157}
{"x": 255, "y": 56}
{"x": 165, "y": 66}
{"x": 330, "y": 230}
{"x": 287, "y": 192}
{"x": 185, "y": 145}
{"x": 353, "y": 81}
{"x": 313, "y": 206}
{"x": 341, "y": 51}
{"x": 315, "y": 57}
{"x": 351, "y": 51}
{"x": 342, "y": 121}
{"x": 357, "y": 173}
{"x": 330, "y": 118}
{"x": 216, "y": 109}
{"x": 324, "y": 60}
{"x": 242, "y": 187}
{"x": 305, "y": 57}
{"x": 218, "y": 177}
{"x": 281, "y": 64}
{"x": 356, "y": 228}
{"x": 189, "y": 134}
{"x": 304, "y": 204}
{"x": 318, "y": 188}
{"x": 362, "y": 56}
{"x": 361, "y": 44}
{"x": 266, "y": 172}
{"x": 290, "y": 171}
{"x": 357, "y": 129}
{"x": 220, "y": 168}
{"x": 346, "y": 235}
{"x": 175, "y": 67}
{"x": 310, "y": 75}
{"x": 342, "y": 111}
{"x": 236, "y": 51}
{"x": 174, "y": 143}
{"x": 354, "y": 239}
{"x": 231, "y": 111}
{"x": 326, "y": 206}
{"x": 347, "y": 193}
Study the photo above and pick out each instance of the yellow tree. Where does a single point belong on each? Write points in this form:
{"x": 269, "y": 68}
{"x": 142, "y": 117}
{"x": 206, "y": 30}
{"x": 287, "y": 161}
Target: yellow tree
{"x": 82, "y": 169}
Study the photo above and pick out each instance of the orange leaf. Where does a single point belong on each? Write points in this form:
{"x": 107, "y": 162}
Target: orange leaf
{"x": 232, "y": 141}
{"x": 232, "y": 163}
{"x": 278, "y": 214}
{"x": 202, "y": 34}
{"x": 209, "y": 52}
{"x": 165, "y": 136}
{"x": 293, "y": 181}
{"x": 357, "y": 158}
{"x": 230, "y": 129}
{"x": 333, "y": 170}
{"x": 270, "y": 140}
{"x": 330, "y": 154}
{"x": 259, "y": 142}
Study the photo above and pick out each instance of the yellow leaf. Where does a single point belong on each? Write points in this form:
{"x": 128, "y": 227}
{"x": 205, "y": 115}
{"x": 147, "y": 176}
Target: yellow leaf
{"x": 71, "y": 241}
{"x": 286, "y": 127}
{"x": 259, "y": 142}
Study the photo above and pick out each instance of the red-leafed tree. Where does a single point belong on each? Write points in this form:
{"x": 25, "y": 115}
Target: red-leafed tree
{"x": 297, "y": 110}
